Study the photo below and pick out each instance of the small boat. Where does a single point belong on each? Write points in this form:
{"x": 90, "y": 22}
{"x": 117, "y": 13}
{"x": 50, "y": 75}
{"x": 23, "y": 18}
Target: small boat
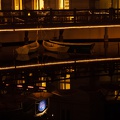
{"x": 70, "y": 47}
{"x": 29, "y": 48}
{"x": 50, "y": 46}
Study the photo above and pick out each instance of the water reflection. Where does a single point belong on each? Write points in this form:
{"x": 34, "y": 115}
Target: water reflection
{"x": 77, "y": 86}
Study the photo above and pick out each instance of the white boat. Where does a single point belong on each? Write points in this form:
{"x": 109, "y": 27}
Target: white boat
{"x": 70, "y": 47}
{"x": 50, "y": 46}
{"x": 71, "y": 43}
{"x": 29, "y": 48}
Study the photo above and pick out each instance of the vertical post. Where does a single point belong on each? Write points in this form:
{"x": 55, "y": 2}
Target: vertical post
{"x": 111, "y": 14}
{"x": 25, "y": 13}
{"x": 0, "y": 44}
{"x": 51, "y": 16}
{"x": 118, "y": 48}
{"x": 117, "y": 8}
{"x": 61, "y": 34}
{"x": 26, "y": 37}
{"x": 106, "y": 40}
{"x": 74, "y": 13}
{"x": 111, "y": 3}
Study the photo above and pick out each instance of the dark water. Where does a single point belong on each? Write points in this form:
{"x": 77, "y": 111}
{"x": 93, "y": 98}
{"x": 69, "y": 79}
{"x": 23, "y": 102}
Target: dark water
{"x": 75, "y": 86}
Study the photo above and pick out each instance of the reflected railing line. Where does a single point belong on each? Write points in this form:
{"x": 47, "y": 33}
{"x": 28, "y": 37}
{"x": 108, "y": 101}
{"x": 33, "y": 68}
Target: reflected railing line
{"x": 57, "y": 28}
{"x": 59, "y": 63}
{"x": 97, "y": 60}
{"x": 69, "y": 27}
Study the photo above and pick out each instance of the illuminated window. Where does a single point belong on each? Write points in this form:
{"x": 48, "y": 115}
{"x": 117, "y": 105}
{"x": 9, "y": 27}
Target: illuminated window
{"x": 60, "y": 4}
{"x": 43, "y": 84}
{"x": 20, "y": 81}
{"x": 65, "y": 84}
{"x": 38, "y": 4}
{"x": 66, "y": 4}
{"x": 63, "y": 4}
{"x": 18, "y": 4}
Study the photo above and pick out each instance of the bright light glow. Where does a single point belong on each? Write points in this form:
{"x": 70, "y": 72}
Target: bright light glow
{"x": 7, "y": 84}
{"x": 66, "y": 4}
{"x": 67, "y": 75}
{"x": 18, "y": 4}
{"x": 38, "y": 4}
{"x": 67, "y": 86}
{"x": 61, "y": 4}
{"x": 30, "y": 87}
{"x": 41, "y": 4}
{"x": 40, "y": 114}
{"x": 6, "y": 30}
{"x": 64, "y": 85}
{"x": 19, "y": 86}
{"x": 43, "y": 84}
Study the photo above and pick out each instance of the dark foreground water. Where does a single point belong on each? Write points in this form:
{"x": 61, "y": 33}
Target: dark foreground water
{"x": 73, "y": 86}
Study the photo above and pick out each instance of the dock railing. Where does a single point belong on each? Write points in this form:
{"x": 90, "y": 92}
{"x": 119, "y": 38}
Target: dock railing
{"x": 54, "y": 17}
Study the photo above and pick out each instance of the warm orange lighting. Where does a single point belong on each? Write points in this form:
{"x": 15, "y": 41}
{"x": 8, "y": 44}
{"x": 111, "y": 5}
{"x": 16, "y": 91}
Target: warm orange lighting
{"x": 43, "y": 84}
{"x": 18, "y": 4}
{"x": 59, "y": 63}
{"x": 40, "y": 114}
{"x": 38, "y": 4}
{"x": 61, "y": 4}
{"x": 30, "y": 87}
{"x": 66, "y": 4}
{"x": 20, "y": 81}
{"x": 19, "y": 86}
{"x": 57, "y": 28}
{"x": 65, "y": 83}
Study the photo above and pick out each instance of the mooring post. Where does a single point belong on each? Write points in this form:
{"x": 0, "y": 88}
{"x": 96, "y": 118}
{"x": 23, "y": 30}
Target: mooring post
{"x": 61, "y": 34}
{"x": 106, "y": 40}
{"x": 26, "y": 39}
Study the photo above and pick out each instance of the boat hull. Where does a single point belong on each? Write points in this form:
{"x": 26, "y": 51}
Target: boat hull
{"x": 57, "y": 46}
{"x": 54, "y": 47}
{"x": 29, "y": 48}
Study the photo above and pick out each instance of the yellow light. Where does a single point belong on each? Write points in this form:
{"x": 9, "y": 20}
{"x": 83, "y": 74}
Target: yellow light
{"x": 66, "y": 4}
{"x": 41, "y": 4}
{"x": 60, "y": 4}
{"x": 18, "y": 4}
{"x": 68, "y": 86}
{"x": 43, "y": 84}
{"x": 116, "y": 92}
{"x": 67, "y": 75}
